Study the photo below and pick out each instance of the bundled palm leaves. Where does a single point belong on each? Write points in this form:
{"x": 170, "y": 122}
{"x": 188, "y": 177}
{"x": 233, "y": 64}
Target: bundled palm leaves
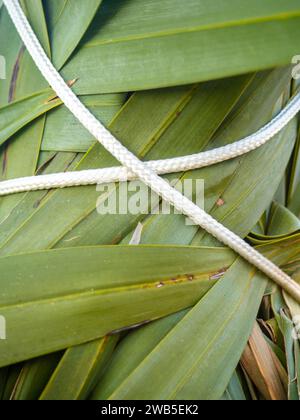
{"x": 89, "y": 316}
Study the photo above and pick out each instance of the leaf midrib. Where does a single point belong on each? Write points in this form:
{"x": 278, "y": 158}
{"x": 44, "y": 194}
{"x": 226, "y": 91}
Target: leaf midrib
{"x": 62, "y": 11}
{"x": 202, "y": 28}
{"x": 109, "y": 291}
{"x": 172, "y": 332}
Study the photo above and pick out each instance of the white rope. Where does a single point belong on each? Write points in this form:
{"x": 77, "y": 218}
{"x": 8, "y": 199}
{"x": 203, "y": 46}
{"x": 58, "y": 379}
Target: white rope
{"x": 166, "y": 166}
{"x": 143, "y": 171}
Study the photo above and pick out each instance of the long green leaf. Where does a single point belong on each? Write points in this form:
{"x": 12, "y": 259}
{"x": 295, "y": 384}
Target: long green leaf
{"x": 18, "y": 114}
{"x": 282, "y": 221}
{"x": 241, "y": 210}
{"x": 295, "y": 204}
{"x": 208, "y": 341}
{"x": 93, "y": 290}
{"x": 19, "y": 157}
{"x": 146, "y": 44}
{"x": 79, "y": 370}
{"x": 33, "y": 378}
{"x": 13, "y": 373}
{"x": 142, "y": 138}
{"x": 67, "y": 23}
{"x": 287, "y": 329}
{"x": 234, "y": 391}
{"x": 135, "y": 348}
{"x": 131, "y": 352}
{"x": 35, "y": 13}
{"x": 63, "y": 132}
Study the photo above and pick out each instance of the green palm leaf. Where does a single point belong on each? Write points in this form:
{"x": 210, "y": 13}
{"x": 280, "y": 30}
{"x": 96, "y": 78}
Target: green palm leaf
{"x": 75, "y": 297}
{"x": 205, "y": 40}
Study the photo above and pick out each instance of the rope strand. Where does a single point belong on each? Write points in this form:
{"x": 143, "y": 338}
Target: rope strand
{"x": 144, "y": 172}
{"x": 161, "y": 167}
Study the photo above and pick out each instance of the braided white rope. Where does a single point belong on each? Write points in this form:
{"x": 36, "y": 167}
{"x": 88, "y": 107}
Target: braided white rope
{"x": 166, "y": 166}
{"x": 134, "y": 165}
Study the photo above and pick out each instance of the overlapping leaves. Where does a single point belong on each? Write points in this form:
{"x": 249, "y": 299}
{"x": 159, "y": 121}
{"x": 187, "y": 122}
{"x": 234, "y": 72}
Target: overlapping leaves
{"x": 72, "y": 296}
